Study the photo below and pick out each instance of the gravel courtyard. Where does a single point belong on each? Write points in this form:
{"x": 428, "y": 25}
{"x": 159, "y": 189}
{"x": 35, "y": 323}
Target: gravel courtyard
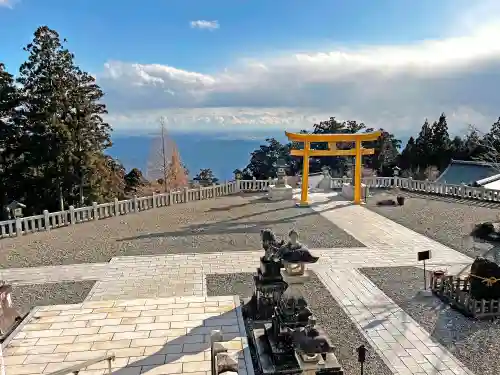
{"x": 475, "y": 343}
{"x": 446, "y": 220}
{"x": 230, "y": 223}
{"x": 25, "y": 297}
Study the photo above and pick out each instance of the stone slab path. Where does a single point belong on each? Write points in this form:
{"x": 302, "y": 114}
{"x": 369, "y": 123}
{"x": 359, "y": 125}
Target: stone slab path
{"x": 153, "y": 336}
{"x": 405, "y": 346}
{"x": 400, "y": 341}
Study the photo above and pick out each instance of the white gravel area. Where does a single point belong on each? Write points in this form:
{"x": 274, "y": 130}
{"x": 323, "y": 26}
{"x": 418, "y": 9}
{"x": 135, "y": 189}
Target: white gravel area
{"x": 25, "y": 297}
{"x": 475, "y": 343}
{"x": 230, "y": 223}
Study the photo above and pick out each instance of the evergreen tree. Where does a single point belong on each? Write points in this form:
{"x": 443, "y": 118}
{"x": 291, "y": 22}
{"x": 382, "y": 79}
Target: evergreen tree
{"x": 10, "y": 134}
{"x": 64, "y": 134}
{"x": 386, "y": 153}
{"x": 423, "y": 146}
{"x": 263, "y": 161}
{"x": 408, "y": 158}
{"x": 440, "y": 144}
{"x": 206, "y": 177}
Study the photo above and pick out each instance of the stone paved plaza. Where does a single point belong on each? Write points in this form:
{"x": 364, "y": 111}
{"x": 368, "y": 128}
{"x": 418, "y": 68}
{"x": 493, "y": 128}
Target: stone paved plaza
{"x": 153, "y": 310}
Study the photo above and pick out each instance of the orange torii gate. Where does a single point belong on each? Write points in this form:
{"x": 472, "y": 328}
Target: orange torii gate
{"x": 332, "y": 139}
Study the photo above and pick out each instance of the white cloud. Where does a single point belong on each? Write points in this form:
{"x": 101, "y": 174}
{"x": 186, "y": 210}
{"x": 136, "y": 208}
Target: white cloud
{"x": 8, "y": 3}
{"x": 202, "y": 24}
{"x": 394, "y": 87}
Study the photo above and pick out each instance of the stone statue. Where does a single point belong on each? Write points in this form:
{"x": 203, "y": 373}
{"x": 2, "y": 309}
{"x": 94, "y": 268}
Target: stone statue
{"x": 309, "y": 340}
{"x": 326, "y": 181}
{"x": 269, "y": 243}
{"x": 284, "y": 330}
{"x": 294, "y": 252}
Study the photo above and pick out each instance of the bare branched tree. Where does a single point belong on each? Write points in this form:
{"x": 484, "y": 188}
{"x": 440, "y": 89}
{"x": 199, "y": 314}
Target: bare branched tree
{"x": 164, "y": 165}
{"x": 487, "y": 146}
{"x": 160, "y": 156}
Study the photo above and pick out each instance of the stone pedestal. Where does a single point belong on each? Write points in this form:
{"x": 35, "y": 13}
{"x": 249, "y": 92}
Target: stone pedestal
{"x": 268, "y": 288}
{"x": 325, "y": 184}
{"x": 280, "y": 193}
{"x": 314, "y": 365}
{"x": 348, "y": 191}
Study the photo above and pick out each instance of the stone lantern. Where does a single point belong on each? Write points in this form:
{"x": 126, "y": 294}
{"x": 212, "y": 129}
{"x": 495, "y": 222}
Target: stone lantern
{"x": 396, "y": 170}
{"x": 281, "y": 190}
{"x": 281, "y": 167}
{"x": 15, "y": 210}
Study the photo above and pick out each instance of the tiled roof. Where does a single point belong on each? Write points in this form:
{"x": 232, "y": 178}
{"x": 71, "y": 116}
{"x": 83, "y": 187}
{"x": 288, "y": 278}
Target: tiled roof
{"x": 466, "y": 172}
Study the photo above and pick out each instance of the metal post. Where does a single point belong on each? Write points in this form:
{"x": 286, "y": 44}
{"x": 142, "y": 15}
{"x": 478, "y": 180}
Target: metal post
{"x": 425, "y": 277}
{"x": 362, "y": 358}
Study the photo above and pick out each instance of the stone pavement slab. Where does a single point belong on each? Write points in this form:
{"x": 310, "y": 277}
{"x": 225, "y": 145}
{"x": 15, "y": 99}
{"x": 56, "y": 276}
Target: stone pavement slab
{"x": 404, "y": 345}
{"x": 157, "y": 336}
{"x": 392, "y": 240}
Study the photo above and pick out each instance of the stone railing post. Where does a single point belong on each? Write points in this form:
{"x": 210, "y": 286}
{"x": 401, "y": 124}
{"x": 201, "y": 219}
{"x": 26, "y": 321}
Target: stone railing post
{"x": 71, "y": 215}
{"x": 237, "y": 185}
{"x": 396, "y": 181}
{"x": 94, "y": 211}
{"x": 117, "y": 207}
{"x": 135, "y": 203}
{"x": 46, "y": 219}
{"x": 212, "y": 193}
{"x": 186, "y": 194}
{"x": 254, "y": 184}
{"x": 18, "y": 227}
{"x": 154, "y": 199}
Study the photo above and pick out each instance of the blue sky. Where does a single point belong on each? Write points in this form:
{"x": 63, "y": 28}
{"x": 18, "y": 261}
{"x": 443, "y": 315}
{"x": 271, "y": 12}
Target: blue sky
{"x": 246, "y": 66}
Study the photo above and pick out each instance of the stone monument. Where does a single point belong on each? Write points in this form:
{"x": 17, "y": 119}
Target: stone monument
{"x": 280, "y": 191}
{"x": 9, "y": 317}
{"x": 268, "y": 283}
{"x": 326, "y": 182}
{"x": 290, "y": 342}
{"x": 348, "y": 187}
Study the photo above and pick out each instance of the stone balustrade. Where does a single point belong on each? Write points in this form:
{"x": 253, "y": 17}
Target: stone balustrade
{"x": 51, "y": 220}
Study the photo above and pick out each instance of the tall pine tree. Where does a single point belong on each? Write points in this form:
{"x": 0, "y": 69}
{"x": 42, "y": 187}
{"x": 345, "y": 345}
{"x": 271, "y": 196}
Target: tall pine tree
{"x": 64, "y": 133}
{"x": 10, "y": 135}
{"x": 440, "y": 144}
{"x": 423, "y": 146}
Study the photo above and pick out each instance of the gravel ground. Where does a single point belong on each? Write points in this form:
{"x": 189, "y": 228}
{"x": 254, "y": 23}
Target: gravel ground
{"x": 343, "y": 333}
{"x": 475, "y": 343}
{"x": 446, "y": 220}
{"x": 231, "y": 223}
{"x": 25, "y": 297}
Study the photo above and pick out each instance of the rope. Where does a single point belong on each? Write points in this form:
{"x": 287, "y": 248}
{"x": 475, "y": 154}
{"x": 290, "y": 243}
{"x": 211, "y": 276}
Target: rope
{"x": 489, "y": 281}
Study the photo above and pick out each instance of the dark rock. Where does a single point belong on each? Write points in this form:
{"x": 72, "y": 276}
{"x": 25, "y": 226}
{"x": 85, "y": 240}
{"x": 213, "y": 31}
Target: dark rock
{"x": 387, "y": 202}
{"x": 487, "y": 231}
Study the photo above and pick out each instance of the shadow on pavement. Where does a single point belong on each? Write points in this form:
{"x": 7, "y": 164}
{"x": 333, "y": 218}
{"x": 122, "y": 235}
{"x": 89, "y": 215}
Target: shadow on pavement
{"x": 195, "y": 342}
{"x": 232, "y": 226}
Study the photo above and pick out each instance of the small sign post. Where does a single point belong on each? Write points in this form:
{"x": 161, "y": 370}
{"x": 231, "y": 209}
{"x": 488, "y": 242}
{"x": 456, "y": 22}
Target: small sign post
{"x": 362, "y": 357}
{"x": 423, "y": 256}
